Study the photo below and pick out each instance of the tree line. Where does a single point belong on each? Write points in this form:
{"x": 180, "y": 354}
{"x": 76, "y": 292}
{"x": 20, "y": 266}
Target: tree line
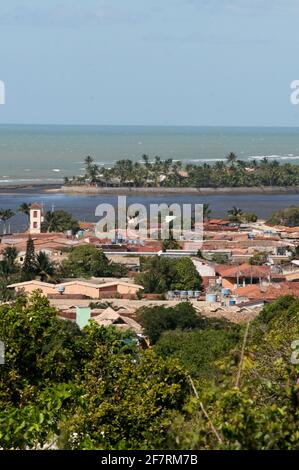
{"x": 205, "y": 384}
{"x": 231, "y": 172}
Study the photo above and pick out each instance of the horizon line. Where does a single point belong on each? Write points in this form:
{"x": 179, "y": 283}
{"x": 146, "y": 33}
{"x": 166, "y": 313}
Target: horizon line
{"x": 155, "y": 125}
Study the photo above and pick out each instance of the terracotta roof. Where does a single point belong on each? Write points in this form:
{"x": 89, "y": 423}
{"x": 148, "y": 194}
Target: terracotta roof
{"x": 35, "y": 205}
{"x": 110, "y": 317}
{"x": 270, "y": 292}
{"x": 86, "y": 225}
{"x": 219, "y": 221}
{"x": 244, "y": 270}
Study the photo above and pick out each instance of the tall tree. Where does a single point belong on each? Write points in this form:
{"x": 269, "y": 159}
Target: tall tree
{"x": 5, "y": 216}
{"x": 231, "y": 158}
{"x": 25, "y": 209}
{"x": 28, "y": 269}
{"x": 8, "y": 264}
{"x": 206, "y": 212}
{"x": 235, "y": 214}
{"x": 59, "y": 221}
{"x": 44, "y": 268}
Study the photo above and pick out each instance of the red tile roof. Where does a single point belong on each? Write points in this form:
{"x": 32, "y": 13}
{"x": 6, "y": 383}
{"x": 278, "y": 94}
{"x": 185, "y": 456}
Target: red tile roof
{"x": 270, "y": 292}
{"x": 243, "y": 270}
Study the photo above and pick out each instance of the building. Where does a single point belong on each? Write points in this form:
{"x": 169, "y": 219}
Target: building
{"x": 78, "y": 289}
{"x": 30, "y": 286}
{"x": 111, "y": 318}
{"x": 236, "y": 276}
{"x": 36, "y": 218}
{"x": 270, "y": 293}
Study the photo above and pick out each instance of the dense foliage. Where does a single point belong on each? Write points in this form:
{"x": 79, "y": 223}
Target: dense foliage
{"x": 261, "y": 410}
{"x": 288, "y": 217}
{"x": 87, "y": 261}
{"x": 207, "y": 384}
{"x": 158, "y": 319}
{"x": 198, "y": 349}
{"x": 159, "y": 275}
{"x": 259, "y": 258}
{"x": 59, "y": 221}
{"x": 168, "y": 173}
{"x": 35, "y": 265}
{"x": 81, "y": 389}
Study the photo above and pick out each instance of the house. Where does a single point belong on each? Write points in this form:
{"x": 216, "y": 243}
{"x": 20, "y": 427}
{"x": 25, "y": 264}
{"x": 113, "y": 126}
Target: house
{"x": 111, "y": 318}
{"x": 269, "y": 293}
{"x": 241, "y": 275}
{"x": 78, "y": 289}
{"x": 30, "y": 286}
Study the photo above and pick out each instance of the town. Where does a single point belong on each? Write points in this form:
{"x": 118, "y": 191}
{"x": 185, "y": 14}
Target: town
{"x": 241, "y": 265}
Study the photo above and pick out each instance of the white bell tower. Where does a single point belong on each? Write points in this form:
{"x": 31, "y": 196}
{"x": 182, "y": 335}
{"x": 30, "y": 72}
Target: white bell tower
{"x": 36, "y": 218}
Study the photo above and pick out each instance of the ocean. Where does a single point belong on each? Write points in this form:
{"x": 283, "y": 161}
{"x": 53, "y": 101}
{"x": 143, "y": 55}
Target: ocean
{"x": 45, "y": 154}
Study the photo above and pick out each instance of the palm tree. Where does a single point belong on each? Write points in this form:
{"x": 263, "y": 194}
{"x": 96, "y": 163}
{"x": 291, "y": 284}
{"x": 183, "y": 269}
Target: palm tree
{"x": 88, "y": 161}
{"x": 25, "y": 209}
{"x": 231, "y": 158}
{"x": 8, "y": 264}
{"x": 235, "y": 214}
{"x": 146, "y": 161}
{"x": 5, "y": 216}
{"x": 88, "y": 164}
{"x": 206, "y": 212}
{"x": 157, "y": 170}
{"x": 92, "y": 173}
{"x": 44, "y": 268}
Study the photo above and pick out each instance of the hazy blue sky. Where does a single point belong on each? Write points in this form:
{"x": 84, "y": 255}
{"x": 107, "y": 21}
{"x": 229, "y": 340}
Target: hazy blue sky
{"x": 198, "y": 62}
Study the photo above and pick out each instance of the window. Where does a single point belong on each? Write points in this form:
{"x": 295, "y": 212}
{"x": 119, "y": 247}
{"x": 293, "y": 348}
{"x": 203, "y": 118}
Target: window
{"x": 35, "y": 214}
{"x": 34, "y": 224}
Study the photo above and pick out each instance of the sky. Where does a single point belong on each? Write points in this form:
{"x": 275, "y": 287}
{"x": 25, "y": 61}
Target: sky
{"x": 149, "y": 62}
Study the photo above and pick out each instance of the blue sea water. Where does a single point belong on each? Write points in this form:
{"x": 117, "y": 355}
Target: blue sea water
{"x": 83, "y": 207}
{"x": 48, "y": 153}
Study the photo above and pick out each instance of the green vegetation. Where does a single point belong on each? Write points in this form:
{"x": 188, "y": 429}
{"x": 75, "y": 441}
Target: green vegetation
{"x": 59, "y": 221}
{"x": 249, "y": 217}
{"x": 259, "y": 259}
{"x": 89, "y": 389}
{"x": 28, "y": 268}
{"x": 288, "y": 217}
{"x": 34, "y": 265}
{"x": 235, "y": 215}
{"x": 169, "y": 173}
{"x": 87, "y": 261}
{"x": 159, "y": 275}
{"x": 9, "y": 272}
{"x": 220, "y": 258}
{"x": 25, "y": 209}
{"x": 253, "y": 399}
{"x": 43, "y": 267}
{"x": 156, "y": 320}
{"x": 207, "y": 384}
{"x": 83, "y": 261}
{"x": 5, "y": 216}
{"x": 198, "y": 350}
{"x": 170, "y": 244}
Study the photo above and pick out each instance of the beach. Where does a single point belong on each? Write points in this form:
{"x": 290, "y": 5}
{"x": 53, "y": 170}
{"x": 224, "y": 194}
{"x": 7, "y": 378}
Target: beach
{"x": 37, "y": 154}
{"x": 172, "y": 191}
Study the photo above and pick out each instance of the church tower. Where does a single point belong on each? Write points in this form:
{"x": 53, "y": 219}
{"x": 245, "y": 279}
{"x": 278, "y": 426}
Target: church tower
{"x": 36, "y": 218}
